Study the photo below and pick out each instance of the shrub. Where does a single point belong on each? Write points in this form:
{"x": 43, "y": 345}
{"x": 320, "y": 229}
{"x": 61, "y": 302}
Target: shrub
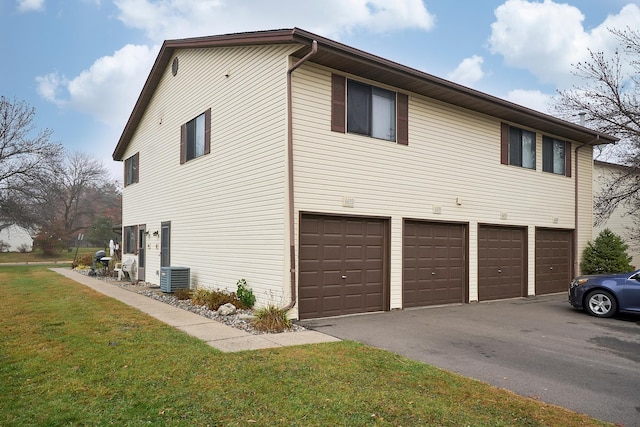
{"x": 182, "y": 294}
{"x": 200, "y": 296}
{"x": 606, "y": 254}
{"x": 271, "y": 319}
{"x": 50, "y": 241}
{"x": 245, "y": 294}
{"x": 4, "y": 247}
{"x": 24, "y": 248}
{"x": 85, "y": 260}
{"x": 213, "y": 299}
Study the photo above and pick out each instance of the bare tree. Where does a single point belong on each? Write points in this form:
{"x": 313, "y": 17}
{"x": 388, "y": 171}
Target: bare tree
{"x": 73, "y": 181}
{"x": 609, "y": 99}
{"x": 24, "y": 154}
{"x": 21, "y": 151}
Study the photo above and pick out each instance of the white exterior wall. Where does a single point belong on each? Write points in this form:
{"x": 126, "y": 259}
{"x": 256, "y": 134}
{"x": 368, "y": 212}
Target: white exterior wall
{"x": 228, "y": 208}
{"x": 16, "y": 236}
{"x": 618, "y": 222}
{"x": 453, "y": 156}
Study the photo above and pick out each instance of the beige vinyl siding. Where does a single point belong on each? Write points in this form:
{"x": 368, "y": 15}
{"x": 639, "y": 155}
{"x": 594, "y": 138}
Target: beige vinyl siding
{"x": 618, "y": 222}
{"x": 227, "y": 208}
{"x": 453, "y": 156}
{"x": 585, "y": 199}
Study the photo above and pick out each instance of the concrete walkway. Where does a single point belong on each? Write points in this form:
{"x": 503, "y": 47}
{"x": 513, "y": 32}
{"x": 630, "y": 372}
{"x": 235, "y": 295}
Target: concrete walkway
{"x": 218, "y": 335}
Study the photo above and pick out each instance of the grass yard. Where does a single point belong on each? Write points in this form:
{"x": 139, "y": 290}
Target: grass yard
{"x": 71, "y": 356}
{"x": 37, "y": 256}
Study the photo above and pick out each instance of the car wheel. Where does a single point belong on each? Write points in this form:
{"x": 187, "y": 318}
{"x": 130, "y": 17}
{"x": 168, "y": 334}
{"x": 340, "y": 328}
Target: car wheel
{"x": 601, "y": 304}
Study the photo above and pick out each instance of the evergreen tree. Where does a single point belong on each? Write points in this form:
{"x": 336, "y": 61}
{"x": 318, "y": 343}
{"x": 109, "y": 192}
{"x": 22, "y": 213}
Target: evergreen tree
{"x": 606, "y": 254}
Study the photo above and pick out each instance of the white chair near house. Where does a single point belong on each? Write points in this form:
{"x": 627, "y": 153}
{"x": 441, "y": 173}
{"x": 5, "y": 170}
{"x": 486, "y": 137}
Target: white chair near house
{"x": 124, "y": 268}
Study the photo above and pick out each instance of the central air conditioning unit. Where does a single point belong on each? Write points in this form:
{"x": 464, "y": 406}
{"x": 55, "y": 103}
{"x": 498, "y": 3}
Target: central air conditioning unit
{"x": 172, "y": 278}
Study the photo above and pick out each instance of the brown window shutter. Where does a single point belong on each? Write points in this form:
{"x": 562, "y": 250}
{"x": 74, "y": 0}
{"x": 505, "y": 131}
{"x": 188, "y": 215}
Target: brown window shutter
{"x": 126, "y": 172}
{"x": 183, "y": 144}
{"x": 338, "y": 103}
{"x": 567, "y": 159}
{"x": 504, "y": 143}
{"x": 403, "y": 119}
{"x": 207, "y": 131}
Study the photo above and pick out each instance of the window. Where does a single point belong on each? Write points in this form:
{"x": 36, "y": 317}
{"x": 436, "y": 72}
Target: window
{"x": 369, "y": 110}
{"x": 518, "y": 147}
{"x": 129, "y": 243}
{"x": 556, "y": 156}
{"x": 131, "y": 169}
{"x": 195, "y": 137}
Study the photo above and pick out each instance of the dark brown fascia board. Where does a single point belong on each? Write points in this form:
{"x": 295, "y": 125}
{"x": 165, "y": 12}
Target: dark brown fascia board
{"x": 395, "y": 75}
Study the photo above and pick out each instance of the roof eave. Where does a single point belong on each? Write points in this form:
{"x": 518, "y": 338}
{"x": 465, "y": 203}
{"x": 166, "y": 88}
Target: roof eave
{"x": 354, "y": 61}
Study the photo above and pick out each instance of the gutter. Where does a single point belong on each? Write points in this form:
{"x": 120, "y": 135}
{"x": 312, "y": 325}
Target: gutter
{"x": 575, "y": 208}
{"x": 292, "y": 240}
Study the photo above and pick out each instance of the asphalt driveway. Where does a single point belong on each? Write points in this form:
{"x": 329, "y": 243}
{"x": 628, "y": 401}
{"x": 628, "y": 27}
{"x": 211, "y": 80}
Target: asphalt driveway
{"x": 538, "y": 347}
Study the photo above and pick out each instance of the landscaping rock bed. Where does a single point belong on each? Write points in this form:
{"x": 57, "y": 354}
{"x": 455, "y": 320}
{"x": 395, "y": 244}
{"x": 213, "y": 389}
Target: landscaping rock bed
{"x": 241, "y": 319}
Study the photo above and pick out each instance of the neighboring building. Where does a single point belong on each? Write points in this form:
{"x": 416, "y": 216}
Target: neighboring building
{"x": 16, "y": 238}
{"x": 619, "y": 222}
{"x": 345, "y": 183}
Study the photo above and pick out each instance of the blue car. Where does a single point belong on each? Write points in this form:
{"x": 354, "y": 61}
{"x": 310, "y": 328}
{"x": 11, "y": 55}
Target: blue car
{"x": 604, "y": 295}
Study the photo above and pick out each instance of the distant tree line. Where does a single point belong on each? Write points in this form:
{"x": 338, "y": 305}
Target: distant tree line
{"x": 53, "y": 193}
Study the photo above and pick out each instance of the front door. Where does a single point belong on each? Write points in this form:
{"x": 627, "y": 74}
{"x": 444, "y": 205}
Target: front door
{"x": 142, "y": 244}
{"x": 165, "y": 244}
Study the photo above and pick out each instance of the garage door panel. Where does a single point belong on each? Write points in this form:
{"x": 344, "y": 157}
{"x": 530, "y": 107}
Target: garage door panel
{"x": 434, "y": 255}
{"x": 350, "y": 247}
{"x": 554, "y": 260}
{"x": 501, "y": 262}
{"x": 331, "y": 253}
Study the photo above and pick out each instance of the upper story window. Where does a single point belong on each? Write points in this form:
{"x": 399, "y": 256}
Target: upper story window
{"x": 369, "y": 110}
{"x": 131, "y": 169}
{"x": 556, "y": 156}
{"x": 195, "y": 137}
{"x": 518, "y": 147}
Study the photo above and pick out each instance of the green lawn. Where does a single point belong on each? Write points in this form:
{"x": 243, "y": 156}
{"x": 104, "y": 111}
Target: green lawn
{"x": 37, "y": 256}
{"x": 71, "y": 356}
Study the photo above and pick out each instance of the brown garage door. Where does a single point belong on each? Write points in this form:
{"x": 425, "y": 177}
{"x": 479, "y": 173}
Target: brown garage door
{"x": 554, "y": 258}
{"x": 502, "y": 262}
{"x": 342, "y": 265}
{"x": 434, "y": 263}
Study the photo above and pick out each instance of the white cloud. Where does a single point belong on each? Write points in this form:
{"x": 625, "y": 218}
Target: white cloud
{"x": 549, "y": 38}
{"x": 108, "y": 89}
{"x": 30, "y": 5}
{"x": 469, "y": 71}
{"x": 545, "y": 38}
{"x": 533, "y": 99}
{"x": 168, "y": 19}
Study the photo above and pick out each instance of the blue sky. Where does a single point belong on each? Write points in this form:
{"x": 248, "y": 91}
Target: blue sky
{"x": 82, "y": 63}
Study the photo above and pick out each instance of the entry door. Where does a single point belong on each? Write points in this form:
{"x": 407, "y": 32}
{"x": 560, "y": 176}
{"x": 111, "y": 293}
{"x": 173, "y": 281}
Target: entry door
{"x": 142, "y": 255}
{"x": 165, "y": 244}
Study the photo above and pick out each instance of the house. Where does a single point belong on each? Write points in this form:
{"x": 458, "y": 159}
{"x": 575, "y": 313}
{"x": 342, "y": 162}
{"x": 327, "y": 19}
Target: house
{"x": 618, "y": 222}
{"x": 337, "y": 182}
{"x": 14, "y": 238}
